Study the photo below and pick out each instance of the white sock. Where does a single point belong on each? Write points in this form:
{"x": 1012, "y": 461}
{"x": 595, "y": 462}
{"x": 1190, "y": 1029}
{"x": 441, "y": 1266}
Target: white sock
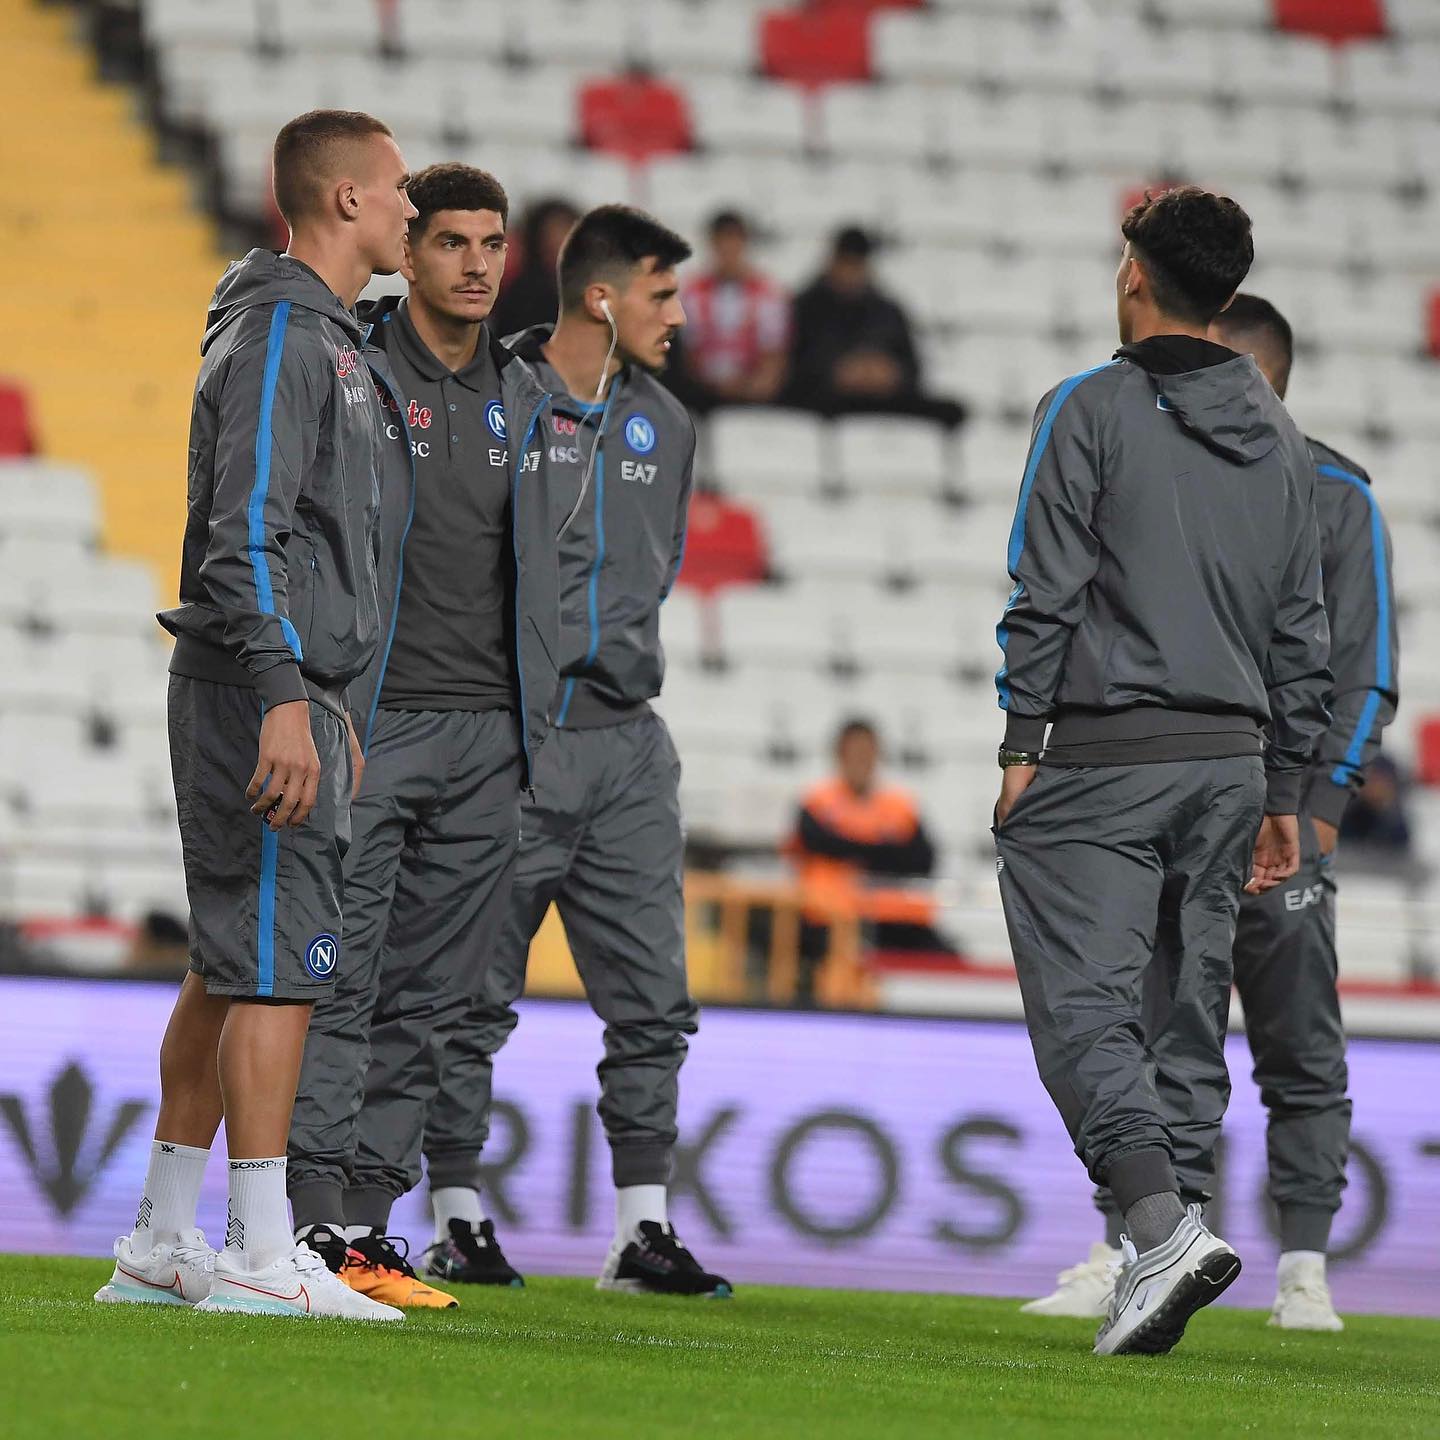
{"x": 353, "y": 1232}
{"x": 257, "y": 1223}
{"x": 1292, "y": 1262}
{"x": 172, "y": 1191}
{"x": 634, "y": 1203}
{"x": 456, "y": 1202}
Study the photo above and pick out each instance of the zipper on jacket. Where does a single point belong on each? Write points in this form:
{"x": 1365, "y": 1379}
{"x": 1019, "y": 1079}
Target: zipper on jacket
{"x": 399, "y": 562}
{"x": 519, "y": 617}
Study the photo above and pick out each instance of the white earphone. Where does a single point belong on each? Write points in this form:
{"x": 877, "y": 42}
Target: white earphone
{"x": 604, "y": 414}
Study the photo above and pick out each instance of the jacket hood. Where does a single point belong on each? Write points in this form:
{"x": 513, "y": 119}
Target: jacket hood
{"x": 265, "y": 278}
{"x": 528, "y": 343}
{"x": 1220, "y": 396}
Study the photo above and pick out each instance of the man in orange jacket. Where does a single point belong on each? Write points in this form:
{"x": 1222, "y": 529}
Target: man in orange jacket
{"x": 856, "y": 843}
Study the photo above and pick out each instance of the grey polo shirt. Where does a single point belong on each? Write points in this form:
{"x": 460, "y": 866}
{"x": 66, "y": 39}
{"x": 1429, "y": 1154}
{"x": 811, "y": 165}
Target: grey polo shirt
{"x": 454, "y": 645}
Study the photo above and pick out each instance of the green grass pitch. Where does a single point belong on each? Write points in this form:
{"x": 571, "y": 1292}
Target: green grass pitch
{"x": 560, "y": 1360}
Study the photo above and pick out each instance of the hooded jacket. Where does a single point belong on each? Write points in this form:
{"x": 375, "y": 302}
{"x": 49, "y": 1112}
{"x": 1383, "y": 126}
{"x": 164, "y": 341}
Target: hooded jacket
{"x": 623, "y": 547}
{"x": 277, "y": 574}
{"x": 1364, "y": 646}
{"x": 1166, "y": 565}
{"x": 535, "y": 517}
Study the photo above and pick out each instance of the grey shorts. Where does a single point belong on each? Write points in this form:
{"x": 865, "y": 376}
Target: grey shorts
{"x": 265, "y": 906}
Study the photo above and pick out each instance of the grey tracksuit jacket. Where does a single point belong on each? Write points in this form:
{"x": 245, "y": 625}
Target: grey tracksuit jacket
{"x": 1365, "y": 651}
{"x": 1166, "y": 560}
{"x": 277, "y": 578}
{"x": 535, "y": 518}
{"x": 623, "y": 548}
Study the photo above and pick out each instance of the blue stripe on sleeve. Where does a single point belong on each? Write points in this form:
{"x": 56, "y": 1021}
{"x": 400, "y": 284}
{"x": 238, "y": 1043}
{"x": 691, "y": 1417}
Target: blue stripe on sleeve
{"x": 1016, "y": 547}
{"x": 264, "y": 442}
{"x": 1350, "y": 765}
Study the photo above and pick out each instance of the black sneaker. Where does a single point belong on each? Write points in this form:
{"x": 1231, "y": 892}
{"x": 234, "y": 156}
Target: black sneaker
{"x": 329, "y": 1246}
{"x": 472, "y": 1256}
{"x": 656, "y": 1263}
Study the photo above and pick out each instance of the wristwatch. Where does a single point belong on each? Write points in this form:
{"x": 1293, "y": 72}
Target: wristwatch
{"x": 1011, "y": 758}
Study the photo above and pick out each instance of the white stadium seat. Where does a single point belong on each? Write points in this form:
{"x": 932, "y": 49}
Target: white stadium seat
{"x": 877, "y": 455}
{"x": 44, "y": 501}
{"x": 749, "y": 116}
{"x": 765, "y": 451}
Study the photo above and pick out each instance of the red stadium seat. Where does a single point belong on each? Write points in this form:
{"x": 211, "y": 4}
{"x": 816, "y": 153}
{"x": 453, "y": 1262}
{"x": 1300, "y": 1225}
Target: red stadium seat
{"x": 635, "y": 117}
{"x": 1427, "y": 766}
{"x": 724, "y": 545}
{"x": 1432, "y": 324}
{"x": 816, "y": 46}
{"x": 17, "y": 432}
{"x": 1334, "y": 20}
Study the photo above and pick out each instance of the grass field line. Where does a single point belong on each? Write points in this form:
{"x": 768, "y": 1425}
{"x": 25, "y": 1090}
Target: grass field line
{"x": 554, "y": 1337}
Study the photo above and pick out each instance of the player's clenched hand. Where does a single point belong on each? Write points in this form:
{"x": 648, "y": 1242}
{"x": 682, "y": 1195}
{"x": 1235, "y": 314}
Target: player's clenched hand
{"x": 1277, "y": 853}
{"x": 287, "y": 777}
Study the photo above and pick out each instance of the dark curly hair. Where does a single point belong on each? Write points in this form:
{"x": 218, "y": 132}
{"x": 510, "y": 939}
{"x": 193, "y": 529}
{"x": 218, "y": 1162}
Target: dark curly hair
{"x": 1196, "y": 248}
{"x": 454, "y": 187}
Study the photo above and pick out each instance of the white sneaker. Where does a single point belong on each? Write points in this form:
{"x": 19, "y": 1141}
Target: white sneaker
{"x": 296, "y": 1284}
{"x": 178, "y": 1274}
{"x": 1302, "y": 1299}
{"x": 1157, "y": 1292}
{"x": 1084, "y": 1290}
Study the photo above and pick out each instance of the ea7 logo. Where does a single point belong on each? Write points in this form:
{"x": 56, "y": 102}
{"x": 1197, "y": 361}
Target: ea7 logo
{"x": 346, "y": 362}
{"x": 1304, "y": 897}
{"x": 638, "y": 470}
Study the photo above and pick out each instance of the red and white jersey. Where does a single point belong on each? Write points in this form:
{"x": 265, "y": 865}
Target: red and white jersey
{"x": 731, "y": 324}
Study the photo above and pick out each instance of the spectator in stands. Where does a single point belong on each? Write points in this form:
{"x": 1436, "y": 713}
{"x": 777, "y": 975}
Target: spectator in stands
{"x": 738, "y": 325}
{"x": 853, "y": 349}
{"x": 532, "y": 297}
{"x": 854, "y": 837}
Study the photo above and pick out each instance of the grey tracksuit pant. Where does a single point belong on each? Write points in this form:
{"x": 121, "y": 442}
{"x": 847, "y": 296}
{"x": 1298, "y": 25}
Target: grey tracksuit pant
{"x": 1121, "y": 886}
{"x": 1285, "y": 971}
{"x": 602, "y": 839}
{"x": 427, "y": 885}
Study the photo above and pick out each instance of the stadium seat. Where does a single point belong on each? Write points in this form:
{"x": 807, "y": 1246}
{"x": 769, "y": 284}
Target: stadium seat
{"x": 1427, "y": 768}
{"x": 685, "y": 628}
{"x": 1432, "y": 323}
{"x": 882, "y": 121}
{"x": 747, "y": 116}
{"x": 43, "y": 501}
{"x": 560, "y": 38}
{"x": 330, "y": 26}
{"x": 771, "y": 625}
{"x": 674, "y": 37}
{"x": 633, "y": 116}
{"x": 816, "y": 46}
{"x": 1337, "y": 21}
{"x": 892, "y": 455}
{"x": 862, "y": 542}
{"x": 216, "y": 23}
{"x": 1379, "y": 76}
{"x": 756, "y": 452}
{"x": 910, "y": 48}
{"x": 17, "y": 429}
{"x": 724, "y": 545}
